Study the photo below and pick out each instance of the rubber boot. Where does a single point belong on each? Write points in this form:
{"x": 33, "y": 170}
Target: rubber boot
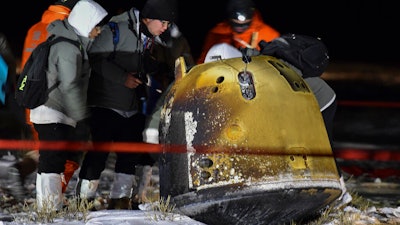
{"x": 70, "y": 167}
{"x": 86, "y": 189}
{"x": 39, "y": 194}
{"x": 121, "y": 191}
{"x": 140, "y": 196}
{"x": 144, "y": 184}
{"x": 49, "y": 195}
{"x": 150, "y": 135}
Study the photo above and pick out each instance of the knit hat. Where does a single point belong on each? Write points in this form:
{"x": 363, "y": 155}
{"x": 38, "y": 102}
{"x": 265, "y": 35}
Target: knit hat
{"x": 67, "y": 3}
{"x": 160, "y": 9}
{"x": 240, "y": 9}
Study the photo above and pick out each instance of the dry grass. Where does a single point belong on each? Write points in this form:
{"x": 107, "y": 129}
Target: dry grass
{"x": 339, "y": 216}
{"x": 75, "y": 209}
{"x": 164, "y": 208}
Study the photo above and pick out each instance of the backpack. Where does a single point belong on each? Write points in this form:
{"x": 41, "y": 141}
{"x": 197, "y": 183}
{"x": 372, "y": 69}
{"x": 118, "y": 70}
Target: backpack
{"x": 309, "y": 54}
{"x": 32, "y": 90}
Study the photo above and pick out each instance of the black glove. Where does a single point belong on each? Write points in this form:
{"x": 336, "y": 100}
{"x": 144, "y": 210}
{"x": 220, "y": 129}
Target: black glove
{"x": 249, "y": 51}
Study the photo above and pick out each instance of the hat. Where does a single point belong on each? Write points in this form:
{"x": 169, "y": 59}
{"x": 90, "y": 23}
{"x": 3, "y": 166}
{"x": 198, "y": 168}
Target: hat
{"x": 222, "y": 51}
{"x": 160, "y": 9}
{"x": 67, "y": 3}
{"x": 240, "y": 9}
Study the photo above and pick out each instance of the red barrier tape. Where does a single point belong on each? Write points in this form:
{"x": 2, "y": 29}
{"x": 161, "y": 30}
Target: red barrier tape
{"x": 139, "y": 147}
{"x": 81, "y": 146}
{"x": 370, "y": 104}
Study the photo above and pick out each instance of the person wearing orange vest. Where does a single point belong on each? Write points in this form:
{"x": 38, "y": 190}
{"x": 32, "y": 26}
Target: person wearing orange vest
{"x": 37, "y": 34}
{"x": 244, "y": 27}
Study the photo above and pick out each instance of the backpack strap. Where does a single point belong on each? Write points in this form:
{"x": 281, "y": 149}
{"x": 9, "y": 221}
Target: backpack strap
{"x": 115, "y": 31}
{"x": 73, "y": 42}
{"x": 132, "y": 23}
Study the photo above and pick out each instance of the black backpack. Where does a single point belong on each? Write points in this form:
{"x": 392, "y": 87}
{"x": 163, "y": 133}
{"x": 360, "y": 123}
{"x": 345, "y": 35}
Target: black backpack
{"x": 309, "y": 54}
{"x": 31, "y": 89}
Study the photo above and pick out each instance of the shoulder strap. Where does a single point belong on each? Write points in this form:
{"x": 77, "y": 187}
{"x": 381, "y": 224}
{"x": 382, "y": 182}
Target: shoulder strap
{"x": 116, "y": 34}
{"x": 132, "y": 22}
{"x": 74, "y": 42}
{"x": 115, "y": 31}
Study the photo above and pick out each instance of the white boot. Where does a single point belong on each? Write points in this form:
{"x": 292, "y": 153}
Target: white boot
{"x": 87, "y": 188}
{"x": 122, "y": 185}
{"x": 150, "y": 135}
{"x": 39, "y": 194}
{"x": 49, "y": 195}
{"x": 144, "y": 184}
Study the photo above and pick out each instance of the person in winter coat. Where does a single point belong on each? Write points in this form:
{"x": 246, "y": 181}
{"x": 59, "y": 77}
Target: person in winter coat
{"x": 244, "y": 27}
{"x": 115, "y": 96}
{"x": 58, "y": 117}
{"x": 37, "y": 34}
{"x": 172, "y": 45}
{"x": 9, "y": 58}
{"x": 169, "y": 46}
{"x": 12, "y": 116}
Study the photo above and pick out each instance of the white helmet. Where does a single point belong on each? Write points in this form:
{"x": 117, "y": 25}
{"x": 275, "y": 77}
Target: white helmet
{"x": 222, "y": 51}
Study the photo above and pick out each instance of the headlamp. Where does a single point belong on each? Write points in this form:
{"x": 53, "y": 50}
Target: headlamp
{"x": 240, "y": 27}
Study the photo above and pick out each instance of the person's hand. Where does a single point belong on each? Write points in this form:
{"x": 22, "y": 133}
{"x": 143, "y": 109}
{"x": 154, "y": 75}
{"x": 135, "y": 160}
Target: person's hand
{"x": 131, "y": 81}
{"x": 249, "y": 51}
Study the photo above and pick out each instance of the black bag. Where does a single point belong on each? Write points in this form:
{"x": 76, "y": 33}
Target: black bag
{"x": 309, "y": 54}
{"x": 32, "y": 90}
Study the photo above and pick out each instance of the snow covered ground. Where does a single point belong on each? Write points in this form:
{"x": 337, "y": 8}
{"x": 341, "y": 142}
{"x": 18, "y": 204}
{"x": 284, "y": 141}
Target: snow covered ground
{"x": 384, "y": 211}
{"x": 351, "y": 215}
{"x": 15, "y": 215}
{"x": 120, "y": 217}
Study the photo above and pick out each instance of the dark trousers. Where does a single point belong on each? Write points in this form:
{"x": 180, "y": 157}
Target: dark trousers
{"x": 108, "y": 126}
{"x": 53, "y": 160}
{"x": 329, "y": 115}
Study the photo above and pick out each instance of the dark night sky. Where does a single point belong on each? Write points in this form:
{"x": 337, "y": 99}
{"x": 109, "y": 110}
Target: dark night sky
{"x": 352, "y": 30}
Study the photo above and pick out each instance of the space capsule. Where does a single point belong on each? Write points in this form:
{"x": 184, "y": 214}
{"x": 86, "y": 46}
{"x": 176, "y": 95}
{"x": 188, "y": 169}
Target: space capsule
{"x": 244, "y": 142}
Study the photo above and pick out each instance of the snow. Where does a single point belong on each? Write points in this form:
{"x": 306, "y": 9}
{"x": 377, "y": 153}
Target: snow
{"x": 122, "y": 217}
{"x": 146, "y": 216}
{"x": 143, "y": 217}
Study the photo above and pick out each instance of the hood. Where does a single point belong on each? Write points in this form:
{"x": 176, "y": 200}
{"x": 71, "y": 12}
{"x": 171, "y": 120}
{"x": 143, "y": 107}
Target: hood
{"x": 85, "y": 16}
{"x": 133, "y": 13}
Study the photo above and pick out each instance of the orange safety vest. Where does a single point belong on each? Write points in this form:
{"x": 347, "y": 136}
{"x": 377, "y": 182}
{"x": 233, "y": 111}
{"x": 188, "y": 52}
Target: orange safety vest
{"x": 36, "y": 35}
{"x": 223, "y": 33}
